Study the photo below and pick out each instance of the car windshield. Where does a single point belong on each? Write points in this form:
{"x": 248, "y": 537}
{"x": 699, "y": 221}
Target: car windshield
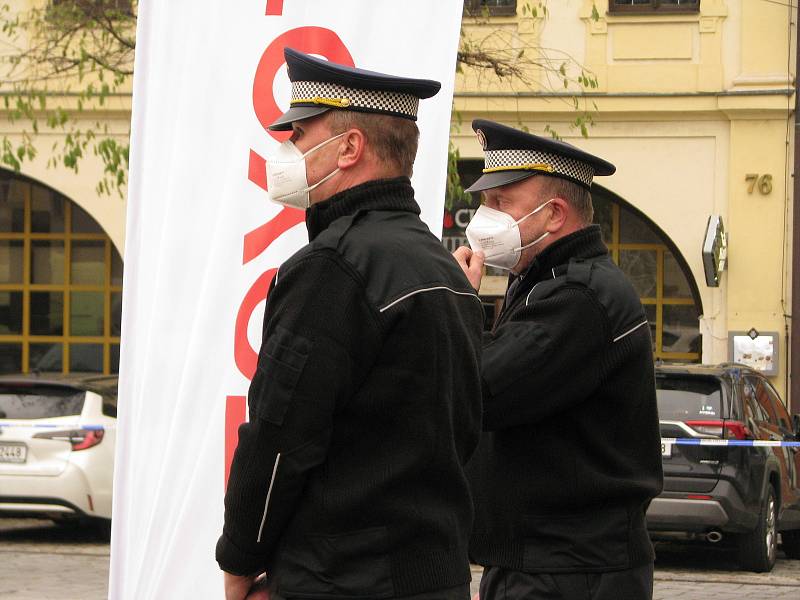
{"x": 21, "y": 401}
{"x": 688, "y": 398}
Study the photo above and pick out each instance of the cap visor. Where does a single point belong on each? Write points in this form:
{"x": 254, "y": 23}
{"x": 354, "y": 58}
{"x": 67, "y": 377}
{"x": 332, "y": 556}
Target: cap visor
{"x": 296, "y": 113}
{"x": 498, "y": 178}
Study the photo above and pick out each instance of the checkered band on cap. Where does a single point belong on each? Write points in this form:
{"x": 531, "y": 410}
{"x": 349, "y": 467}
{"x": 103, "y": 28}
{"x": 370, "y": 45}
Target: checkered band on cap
{"x": 339, "y": 96}
{"x": 532, "y": 160}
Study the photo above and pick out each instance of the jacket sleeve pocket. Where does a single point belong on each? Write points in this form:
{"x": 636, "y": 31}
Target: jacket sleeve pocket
{"x": 279, "y": 367}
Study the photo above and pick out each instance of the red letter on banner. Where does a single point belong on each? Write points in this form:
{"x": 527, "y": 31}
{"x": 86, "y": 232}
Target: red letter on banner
{"x": 235, "y": 414}
{"x": 314, "y": 40}
{"x": 246, "y": 357}
{"x": 274, "y": 8}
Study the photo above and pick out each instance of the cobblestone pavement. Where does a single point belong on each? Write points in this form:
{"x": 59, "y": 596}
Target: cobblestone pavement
{"x": 41, "y": 561}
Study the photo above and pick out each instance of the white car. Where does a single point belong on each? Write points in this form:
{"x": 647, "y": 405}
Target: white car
{"x": 57, "y": 437}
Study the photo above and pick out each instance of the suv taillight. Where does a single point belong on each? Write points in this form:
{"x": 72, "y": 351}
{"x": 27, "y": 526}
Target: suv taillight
{"x": 735, "y": 430}
{"x": 81, "y": 439}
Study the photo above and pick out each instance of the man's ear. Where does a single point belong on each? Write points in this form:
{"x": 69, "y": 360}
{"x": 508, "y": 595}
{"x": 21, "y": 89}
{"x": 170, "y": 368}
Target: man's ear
{"x": 351, "y": 148}
{"x": 558, "y": 215}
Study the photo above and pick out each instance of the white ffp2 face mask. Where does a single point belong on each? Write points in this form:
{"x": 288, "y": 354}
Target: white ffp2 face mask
{"x": 287, "y": 181}
{"x": 496, "y": 234}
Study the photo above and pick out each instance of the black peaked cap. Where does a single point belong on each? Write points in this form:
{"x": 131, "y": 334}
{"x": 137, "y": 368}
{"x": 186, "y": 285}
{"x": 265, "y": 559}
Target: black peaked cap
{"x": 512, "y": 155}
{"x": 319, "y": 85}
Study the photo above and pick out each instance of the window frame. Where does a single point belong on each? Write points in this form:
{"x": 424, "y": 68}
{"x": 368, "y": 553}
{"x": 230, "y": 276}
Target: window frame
{"x": 68, "y": 341}
{"x": 472, "y": 8}
{"x": 653, "y": 7}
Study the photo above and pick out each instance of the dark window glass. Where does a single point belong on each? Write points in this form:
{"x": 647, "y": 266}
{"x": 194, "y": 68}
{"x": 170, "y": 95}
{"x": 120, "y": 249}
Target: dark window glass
{"x": 10, "y": 313}
{"x": 83, "y": 222}
{"x": 86, "y": 313}
{"x": 88, "y": 263}
{"x": 47, "y": 313}
{"x": 47, "y": 262}
{"x": 491, "y": 7}
{"x": 46, "y": 357}
{"x": 635, "y": 230}
{"x": 681, "y": 328}
{"x": 11, "y": 261}
{"x": 25, "y": 401}
{"x": 12, "y": 206}
{"x": 645, "y": 6}
{"x": 104, "y": 8}
{"x": 640, "y": 267}
{"x": 688, "y": 398}
{"x": 116, "y": 267}
{"x": 10, "y": 358}
{"x": 86, "y": 358}
{"x": 114, "y": 356}
{"x": 116, "y": 314}
{"x": 675, "y": 283}
{"x": 603, "y": 216}
{"x": 47, "y": 210}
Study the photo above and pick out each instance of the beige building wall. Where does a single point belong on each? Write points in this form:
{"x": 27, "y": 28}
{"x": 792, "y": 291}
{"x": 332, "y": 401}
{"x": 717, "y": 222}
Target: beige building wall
{"x": 109, "y": 211}
{"x": 687, "y": 106}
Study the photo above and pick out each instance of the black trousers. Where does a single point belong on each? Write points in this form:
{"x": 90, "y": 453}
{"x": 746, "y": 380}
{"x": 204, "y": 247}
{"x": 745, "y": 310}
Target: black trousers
{"x": 460, "y": 592}
{"x": 503, "y": 584}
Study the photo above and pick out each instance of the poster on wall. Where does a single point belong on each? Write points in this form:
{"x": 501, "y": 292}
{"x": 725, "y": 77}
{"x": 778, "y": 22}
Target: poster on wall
{"x": 758, "y": 351}
{"x": 203, "y": 244}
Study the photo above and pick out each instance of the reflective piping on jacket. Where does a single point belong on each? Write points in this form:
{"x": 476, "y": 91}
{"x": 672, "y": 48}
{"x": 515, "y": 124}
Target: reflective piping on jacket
{"x": 414, "y": 293}
{"x": 269, "y": 493}
{"x": 630, "y": 331}
{"x": 528, "y": 297}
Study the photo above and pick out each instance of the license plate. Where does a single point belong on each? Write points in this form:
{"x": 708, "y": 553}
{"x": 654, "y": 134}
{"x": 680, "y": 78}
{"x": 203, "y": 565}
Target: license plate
{"x": 666, "y": 449}
{"x": 13, "y": 453}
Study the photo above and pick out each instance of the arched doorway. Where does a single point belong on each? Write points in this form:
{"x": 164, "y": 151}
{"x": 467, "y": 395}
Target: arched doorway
{"x": 654, "y": 264}
{"x": 60, "y": 283}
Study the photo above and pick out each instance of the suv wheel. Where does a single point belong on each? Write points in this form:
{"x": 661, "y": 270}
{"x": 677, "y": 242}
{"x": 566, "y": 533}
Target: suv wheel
{"x": 791, "y": 543}
{"x": 758, "y": 548}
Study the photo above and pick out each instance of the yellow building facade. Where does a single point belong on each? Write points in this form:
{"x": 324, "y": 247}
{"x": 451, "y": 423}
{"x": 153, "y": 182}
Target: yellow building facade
{"x": 692, "y": 97}
{"x": 694, "y": 106}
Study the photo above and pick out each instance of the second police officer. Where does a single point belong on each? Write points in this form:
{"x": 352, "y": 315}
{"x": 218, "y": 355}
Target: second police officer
{"x": 570, "y": 455}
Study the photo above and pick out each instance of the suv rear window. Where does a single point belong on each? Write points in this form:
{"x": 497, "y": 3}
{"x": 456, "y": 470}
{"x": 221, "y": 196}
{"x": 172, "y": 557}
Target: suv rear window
{"x": 39, "y": 401}
{"x": 688, "y": 398}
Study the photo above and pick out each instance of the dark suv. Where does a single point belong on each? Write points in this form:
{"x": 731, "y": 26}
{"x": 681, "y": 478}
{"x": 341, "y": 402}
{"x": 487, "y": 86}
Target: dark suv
{"x": 747, "y": 494}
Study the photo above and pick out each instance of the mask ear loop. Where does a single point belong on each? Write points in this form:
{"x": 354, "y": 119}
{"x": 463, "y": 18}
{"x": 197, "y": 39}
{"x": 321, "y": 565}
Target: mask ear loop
{"x": 321, "y": 144}
{"x": 541, "y": 237}
{"x": 534, "y": 211}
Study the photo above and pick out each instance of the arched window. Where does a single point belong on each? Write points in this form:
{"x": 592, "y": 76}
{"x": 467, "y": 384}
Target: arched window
{"x": 648, "y": 257}
{"x": 60, "y": 284}
{"x": 658, "y": 272}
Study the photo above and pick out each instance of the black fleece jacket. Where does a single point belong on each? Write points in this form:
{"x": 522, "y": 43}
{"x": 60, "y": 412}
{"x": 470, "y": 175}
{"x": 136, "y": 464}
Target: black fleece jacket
{"x": 570, "y": 457}
{"x": 348, "y": 481}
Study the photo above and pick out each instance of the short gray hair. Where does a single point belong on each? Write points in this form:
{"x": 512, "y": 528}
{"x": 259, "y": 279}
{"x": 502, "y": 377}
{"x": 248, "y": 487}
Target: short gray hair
{"x": 577, "y": 196}
{"x": 394, "y": 140}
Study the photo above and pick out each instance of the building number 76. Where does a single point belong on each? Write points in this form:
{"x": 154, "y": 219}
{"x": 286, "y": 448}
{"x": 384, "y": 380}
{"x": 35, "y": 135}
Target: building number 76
{"x": 764, "y": 183}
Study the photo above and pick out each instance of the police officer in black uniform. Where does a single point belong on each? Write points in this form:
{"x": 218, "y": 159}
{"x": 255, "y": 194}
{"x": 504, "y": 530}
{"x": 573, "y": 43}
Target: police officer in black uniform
{"x": 348, "y": 480}
{"x": 570, "y": 455}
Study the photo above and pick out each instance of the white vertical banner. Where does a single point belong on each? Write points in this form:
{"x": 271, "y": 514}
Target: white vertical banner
{"x": 203, "y": 243}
